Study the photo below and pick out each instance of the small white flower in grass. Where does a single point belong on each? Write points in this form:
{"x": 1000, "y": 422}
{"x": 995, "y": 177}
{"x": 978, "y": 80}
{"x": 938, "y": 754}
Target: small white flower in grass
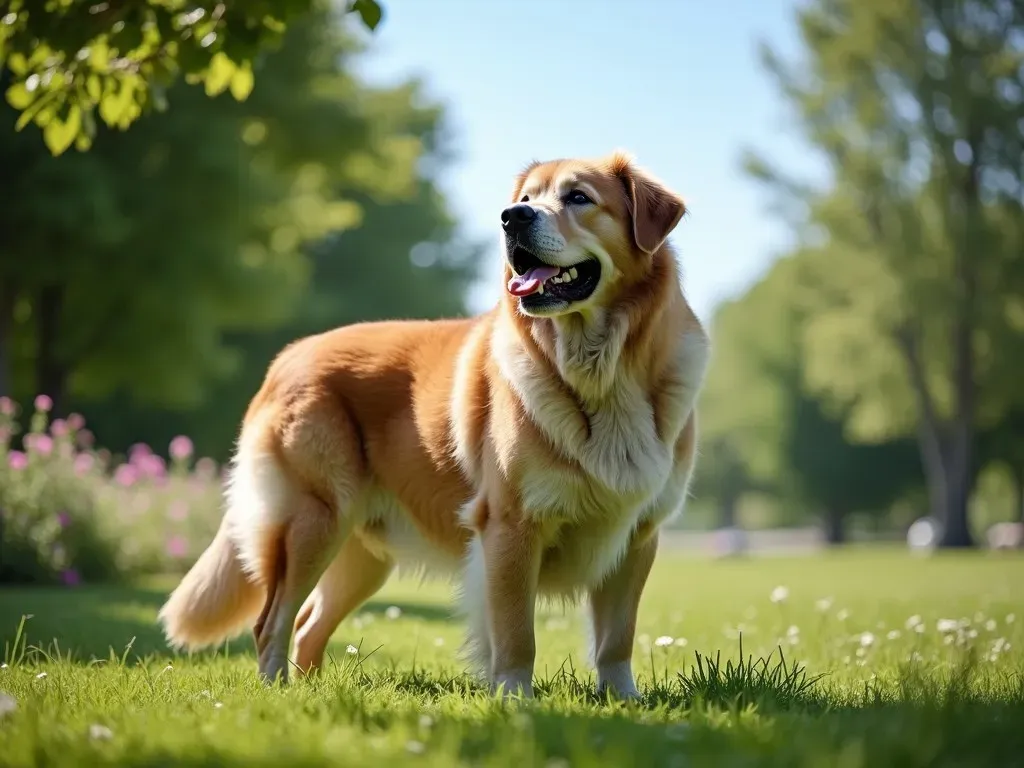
{"x": 913, "y": 622}
{"x": 1000, "y": 645}
{"x": 894, "y": 634}
{"x": 861, "y": 652}
{"x": 41, "y": 676}
{"x": 972, "y": 633}
{"x": 948, "y": 639}
{"x": 779, "y": 595}
{"x": 99, "y": 732}
{"x": 843, "y": 614}
{"x": 823, "y": 604}
{"x": 947, "y": 625}
{"x": 681, "y": 642}
{"x": 438, "y": 642}
{"x": 352, "y": 650}
{"x": 990, "y": 625}
{"x": 416, "y": 747}
{"x": 793, "y": 634}
{"x": 217, "y": 705}
{"x": 867, "y": 640}
{"x": 1010, "y": 618}
{"x": 393, "y": 612}
{"x": 664, "y": 641}
{"x": 3, "y": 666}
{"x": 426, "y": 721}
{"x": 7, "y": 704}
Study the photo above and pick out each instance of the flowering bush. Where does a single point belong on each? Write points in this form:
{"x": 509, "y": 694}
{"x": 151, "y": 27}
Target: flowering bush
{"x": 71, "y": 513}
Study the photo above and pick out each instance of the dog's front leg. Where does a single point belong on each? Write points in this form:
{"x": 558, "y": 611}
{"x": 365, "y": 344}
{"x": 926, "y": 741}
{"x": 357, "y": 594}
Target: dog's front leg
{"x": 511, "y": 549}
{"x": 613, "y": 611}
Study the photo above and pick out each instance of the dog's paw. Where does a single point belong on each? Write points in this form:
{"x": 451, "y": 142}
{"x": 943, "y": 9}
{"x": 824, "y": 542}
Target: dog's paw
{"x": 616, "y": 680}
{"x": 516, "y": 683}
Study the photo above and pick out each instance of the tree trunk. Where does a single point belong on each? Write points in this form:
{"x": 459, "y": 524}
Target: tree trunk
{"x": 7, "y": 296}
{"x": 946, "y": 450}
{"x": 51, "y": 373}
{"x": 833, "y": 523}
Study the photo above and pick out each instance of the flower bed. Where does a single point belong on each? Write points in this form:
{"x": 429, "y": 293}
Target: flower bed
{"x": 70, "y": 512}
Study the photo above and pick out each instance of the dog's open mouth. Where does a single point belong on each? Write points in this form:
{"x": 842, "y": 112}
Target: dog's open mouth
{"x": 536, "y": 283}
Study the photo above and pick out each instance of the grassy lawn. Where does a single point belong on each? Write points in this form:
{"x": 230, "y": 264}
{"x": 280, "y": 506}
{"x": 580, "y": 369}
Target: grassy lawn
{"x": 877, "y": 690}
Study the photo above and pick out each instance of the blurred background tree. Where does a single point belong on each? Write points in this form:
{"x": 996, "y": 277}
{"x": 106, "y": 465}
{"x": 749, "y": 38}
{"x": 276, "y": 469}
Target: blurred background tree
{"x": 148, "y": 281}
{"x": 913, "y": 248}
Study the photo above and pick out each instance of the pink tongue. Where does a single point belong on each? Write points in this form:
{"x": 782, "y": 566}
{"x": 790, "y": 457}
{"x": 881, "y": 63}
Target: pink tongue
{"x": 524, "y": 285}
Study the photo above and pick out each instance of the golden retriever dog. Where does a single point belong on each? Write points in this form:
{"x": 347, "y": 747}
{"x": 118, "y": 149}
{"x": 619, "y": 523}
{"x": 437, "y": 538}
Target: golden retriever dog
{"x": 534, "y": 450}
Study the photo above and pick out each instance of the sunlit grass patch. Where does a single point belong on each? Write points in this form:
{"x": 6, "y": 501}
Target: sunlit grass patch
{"x": 840, "y": 668}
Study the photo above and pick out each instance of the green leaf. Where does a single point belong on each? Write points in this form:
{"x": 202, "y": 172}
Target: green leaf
{"x": 219, "y": 75}
{"x": 20, "y": 97}
{"x": 94, "y": 88}
{"x": 369, "y": 11}
{"x": 242, "y": 82}
{"x": 114, "y": 106}
{"x": 58, "y": 134}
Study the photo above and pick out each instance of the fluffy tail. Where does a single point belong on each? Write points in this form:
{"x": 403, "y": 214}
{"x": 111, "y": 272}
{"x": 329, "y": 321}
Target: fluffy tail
{"x": 216, "y": 599}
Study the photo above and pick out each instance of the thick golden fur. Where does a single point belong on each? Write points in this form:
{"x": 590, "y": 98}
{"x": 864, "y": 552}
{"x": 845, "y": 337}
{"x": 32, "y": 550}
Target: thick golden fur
{"x": 535, "y": 455}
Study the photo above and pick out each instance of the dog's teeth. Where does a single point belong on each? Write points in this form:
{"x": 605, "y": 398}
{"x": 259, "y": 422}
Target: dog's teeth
{"x": 556, "y": 279}
{"x": 573, "y": 274}
{"x": 541, "y": 289}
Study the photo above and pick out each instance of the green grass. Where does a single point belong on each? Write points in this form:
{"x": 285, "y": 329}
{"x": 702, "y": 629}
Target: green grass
{"x": 835, "y": 697}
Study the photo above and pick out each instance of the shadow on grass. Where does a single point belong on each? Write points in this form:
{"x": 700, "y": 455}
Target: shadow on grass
{"x": 89, "y": 621}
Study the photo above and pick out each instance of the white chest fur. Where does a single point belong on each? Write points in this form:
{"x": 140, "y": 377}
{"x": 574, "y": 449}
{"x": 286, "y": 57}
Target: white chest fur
{"x": 626, "y": 455}
{"x": 618, "y": 445}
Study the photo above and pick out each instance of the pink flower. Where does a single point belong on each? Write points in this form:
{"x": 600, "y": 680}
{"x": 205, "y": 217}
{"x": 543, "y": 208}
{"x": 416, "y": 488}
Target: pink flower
{"x": 59, "y": 428}
{"x": 63, "y": 519}
{"x": 206, "y": 469}
{"x": 43, "y": 403}
{"x": 85, "y": 438}
{"x": 151, "y": 465}
{"x": 76, "y": 421}
{"x": 41, "y": 444}
{"x": 6, "y": 406}
{"x": 177, "y": 509}
{"x": 71, "y": 577}
{"x": 83, "y": 463}
{"x": 180, "y": 448}
{"x": 17, "y": 460}
{"x": 177, "y": 546}
{"x": 125, "y": 475}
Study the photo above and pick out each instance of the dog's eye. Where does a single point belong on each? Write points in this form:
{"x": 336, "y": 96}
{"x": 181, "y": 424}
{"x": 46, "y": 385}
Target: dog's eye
{"x": 578, "y": 198}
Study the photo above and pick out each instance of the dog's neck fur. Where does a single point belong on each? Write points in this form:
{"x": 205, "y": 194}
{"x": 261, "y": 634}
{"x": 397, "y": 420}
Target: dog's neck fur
{"x": 587, "y": 349}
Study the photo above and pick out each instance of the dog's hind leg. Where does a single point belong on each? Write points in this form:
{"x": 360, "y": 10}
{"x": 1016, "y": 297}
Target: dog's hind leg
{"x": 305, "y": 546}
{"x": 353, "y": 577}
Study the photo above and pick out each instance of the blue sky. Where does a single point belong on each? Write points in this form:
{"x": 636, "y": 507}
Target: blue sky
{"x": 676, "y": 82}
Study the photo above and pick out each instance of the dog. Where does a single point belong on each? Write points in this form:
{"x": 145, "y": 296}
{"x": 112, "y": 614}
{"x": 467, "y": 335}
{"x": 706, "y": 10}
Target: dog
{"x": 535, "y": 449}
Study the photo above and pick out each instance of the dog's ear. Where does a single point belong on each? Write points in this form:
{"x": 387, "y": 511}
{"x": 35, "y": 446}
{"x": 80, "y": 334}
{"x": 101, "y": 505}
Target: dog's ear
{"x": 517, "y": 186}
{"x": 655, "y": 209}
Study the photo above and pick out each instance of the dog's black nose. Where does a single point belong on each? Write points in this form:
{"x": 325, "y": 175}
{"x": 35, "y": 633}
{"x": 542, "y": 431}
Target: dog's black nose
{"x": 517, "y": 216}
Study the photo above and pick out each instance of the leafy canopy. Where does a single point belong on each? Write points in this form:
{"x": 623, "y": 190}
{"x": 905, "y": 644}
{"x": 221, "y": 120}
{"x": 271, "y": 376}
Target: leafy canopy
{"x": 75, "y": 59}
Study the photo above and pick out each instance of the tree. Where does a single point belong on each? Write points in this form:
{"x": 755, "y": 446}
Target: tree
{"x": 404, "y": 260}
{"x": 73, "y": 60}
{"x": 768, "y": 433}
{"x": 126, "y": 267}
{"x": 916, "y": 105}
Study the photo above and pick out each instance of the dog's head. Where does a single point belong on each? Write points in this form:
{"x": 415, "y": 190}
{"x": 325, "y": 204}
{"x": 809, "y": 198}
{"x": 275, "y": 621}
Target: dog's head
{"x": 581, "y": 233}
